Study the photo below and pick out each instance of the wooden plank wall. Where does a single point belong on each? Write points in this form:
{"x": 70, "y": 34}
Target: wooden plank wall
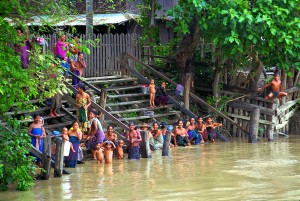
{"x": 103, "y": 58}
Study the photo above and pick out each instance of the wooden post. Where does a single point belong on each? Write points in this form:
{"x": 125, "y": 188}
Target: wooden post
{"x": 166, "y": 146}
{"x": 123, "y": 60}
{"x": 46, "y": 160}
{"x": 187, "y": 89}
{"x": 145, "y": 146}
{"x": 253, "y": 128}
{"x": 103, "y": 97}
{"x": 59, "y": 158}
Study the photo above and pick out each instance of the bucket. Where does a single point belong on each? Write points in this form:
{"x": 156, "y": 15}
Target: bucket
{"x": 144, "y": 89}
{"x": 55, "y": 132}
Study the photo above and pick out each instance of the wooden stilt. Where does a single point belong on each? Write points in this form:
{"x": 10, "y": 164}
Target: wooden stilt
{"x": 144, "y": 146}
{"x": 59, "y": 159}
{"x": 253, "y": 128}
{"x": 46, "y": 160}
{"x": 166, "y": 146}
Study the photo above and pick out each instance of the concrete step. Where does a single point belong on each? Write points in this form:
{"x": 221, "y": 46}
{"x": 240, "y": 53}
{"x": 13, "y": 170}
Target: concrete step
{"x": 149, "y": 117}
{"x": 110, "y": 81}
{"x": 126, "y": 95}
{"x": 123, "y": 88}
{"x": 59, "y": 125}
{"x": 126, "y": 103}
{"x": 141, "y": 109}
{"x": 38, "y": 110}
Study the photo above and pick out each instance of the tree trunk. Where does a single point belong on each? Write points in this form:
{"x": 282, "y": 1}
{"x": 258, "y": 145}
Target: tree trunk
{"x": 215, "y": 86}
{"x": 187, "y": 89}
{"x": 254, "y": 74}
{"x": 186, "y": 52}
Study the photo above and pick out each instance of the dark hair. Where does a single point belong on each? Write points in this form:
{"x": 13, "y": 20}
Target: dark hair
{"x": 95, "y": 112}
{"x": 74, "y": 122}
{"x": 179, "y": 121}
{"x": 110, "y": 126}
{"x": 163, "y": 124}
{"x": 131, "y": 123}
{"x": 75, "y": 35}
{"x": 155, "y": 123}
{"x": 276, "y": 74}
{"x": 81, "y": 85}
{"x": 35, "y": 115}
{"x": 79, "y": 53}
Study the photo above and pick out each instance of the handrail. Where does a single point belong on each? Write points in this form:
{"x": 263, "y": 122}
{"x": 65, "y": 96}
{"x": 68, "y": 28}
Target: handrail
{"x": 98, "y": 107}
{"x": 196, "y": 98}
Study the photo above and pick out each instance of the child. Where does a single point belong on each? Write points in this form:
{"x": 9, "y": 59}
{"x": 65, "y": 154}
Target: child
{"x": 134, "y": 138}
{"x": 120, "y": 153}
{"x": 66, "y": 139}
{"x": 152, "y": 91}
{"x": 163, "y": 97}
{"x": 99, "y": 153}
{"x": 276, "y": 88}
{"x": 109, "y": 147}
{"x": 211, "y": 134}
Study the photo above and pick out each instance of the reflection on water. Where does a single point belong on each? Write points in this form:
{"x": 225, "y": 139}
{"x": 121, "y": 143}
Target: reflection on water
{"x": 222, "y": 171}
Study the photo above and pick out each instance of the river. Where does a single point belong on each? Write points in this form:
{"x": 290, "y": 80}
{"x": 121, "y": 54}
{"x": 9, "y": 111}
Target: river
{"x": 236, "y": 170}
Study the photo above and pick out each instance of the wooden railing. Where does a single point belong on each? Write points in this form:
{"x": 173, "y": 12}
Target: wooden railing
{"x": 274, "y": 114}
{"x": 124, "y": 62}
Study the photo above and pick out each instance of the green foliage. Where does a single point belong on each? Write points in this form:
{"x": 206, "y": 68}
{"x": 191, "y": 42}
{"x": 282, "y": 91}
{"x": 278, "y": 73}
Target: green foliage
{"x": 219, "y": 103}
{"x": 239, "y": 27}
{"x": 132, "y": 114}
{"x": 15, "y": 163}
{"x": 41, "y": 80}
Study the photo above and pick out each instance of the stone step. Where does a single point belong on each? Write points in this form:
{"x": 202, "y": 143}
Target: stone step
{"x": 141, "y": 109}
{"x": 126, "y": 103}
{"x": 149, "y": 117}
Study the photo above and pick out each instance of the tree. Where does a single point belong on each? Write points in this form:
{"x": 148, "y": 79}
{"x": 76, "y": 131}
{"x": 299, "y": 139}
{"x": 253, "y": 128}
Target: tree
{"x": 266, "y": 32}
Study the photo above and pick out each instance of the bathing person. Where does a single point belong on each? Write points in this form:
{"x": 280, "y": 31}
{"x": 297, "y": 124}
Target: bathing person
{"x": 181, "y": 135}
{"x": 276, "y": 88}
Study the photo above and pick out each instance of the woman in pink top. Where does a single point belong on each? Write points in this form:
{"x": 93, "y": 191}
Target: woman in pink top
{"x": 60, "y": 50}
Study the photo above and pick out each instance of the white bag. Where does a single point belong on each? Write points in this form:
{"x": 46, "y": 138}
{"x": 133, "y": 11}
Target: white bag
{"x": 67, "y": 147}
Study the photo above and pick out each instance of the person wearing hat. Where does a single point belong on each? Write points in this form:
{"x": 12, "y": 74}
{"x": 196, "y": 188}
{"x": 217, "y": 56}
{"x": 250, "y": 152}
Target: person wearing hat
{"x": 144, "y": 126}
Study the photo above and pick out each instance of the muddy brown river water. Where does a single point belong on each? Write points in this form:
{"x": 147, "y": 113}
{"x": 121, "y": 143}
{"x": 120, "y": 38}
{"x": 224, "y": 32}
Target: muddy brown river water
{"x": 222, "y": 171}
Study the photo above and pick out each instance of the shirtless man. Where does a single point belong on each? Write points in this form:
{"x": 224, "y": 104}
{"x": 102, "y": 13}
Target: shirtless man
{"x": 276, "y": 86}
{"x": 134, "y": 138}
{"x": 201, "y": 129}
{"x": 192, "y": 133}
{"x": 181, "y": 135}
{"x": 152, "y": 91}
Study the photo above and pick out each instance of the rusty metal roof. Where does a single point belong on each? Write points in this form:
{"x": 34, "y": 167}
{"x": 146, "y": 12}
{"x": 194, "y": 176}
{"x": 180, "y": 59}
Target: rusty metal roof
{"x": 98, "y": 19}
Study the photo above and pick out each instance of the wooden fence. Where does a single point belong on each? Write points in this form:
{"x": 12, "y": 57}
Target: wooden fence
{"x": 274, "y": 114}
{"x": 103, "y": 58}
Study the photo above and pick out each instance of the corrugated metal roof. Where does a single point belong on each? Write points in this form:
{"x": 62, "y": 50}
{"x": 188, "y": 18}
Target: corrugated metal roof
{"x": 98, "y": 19}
